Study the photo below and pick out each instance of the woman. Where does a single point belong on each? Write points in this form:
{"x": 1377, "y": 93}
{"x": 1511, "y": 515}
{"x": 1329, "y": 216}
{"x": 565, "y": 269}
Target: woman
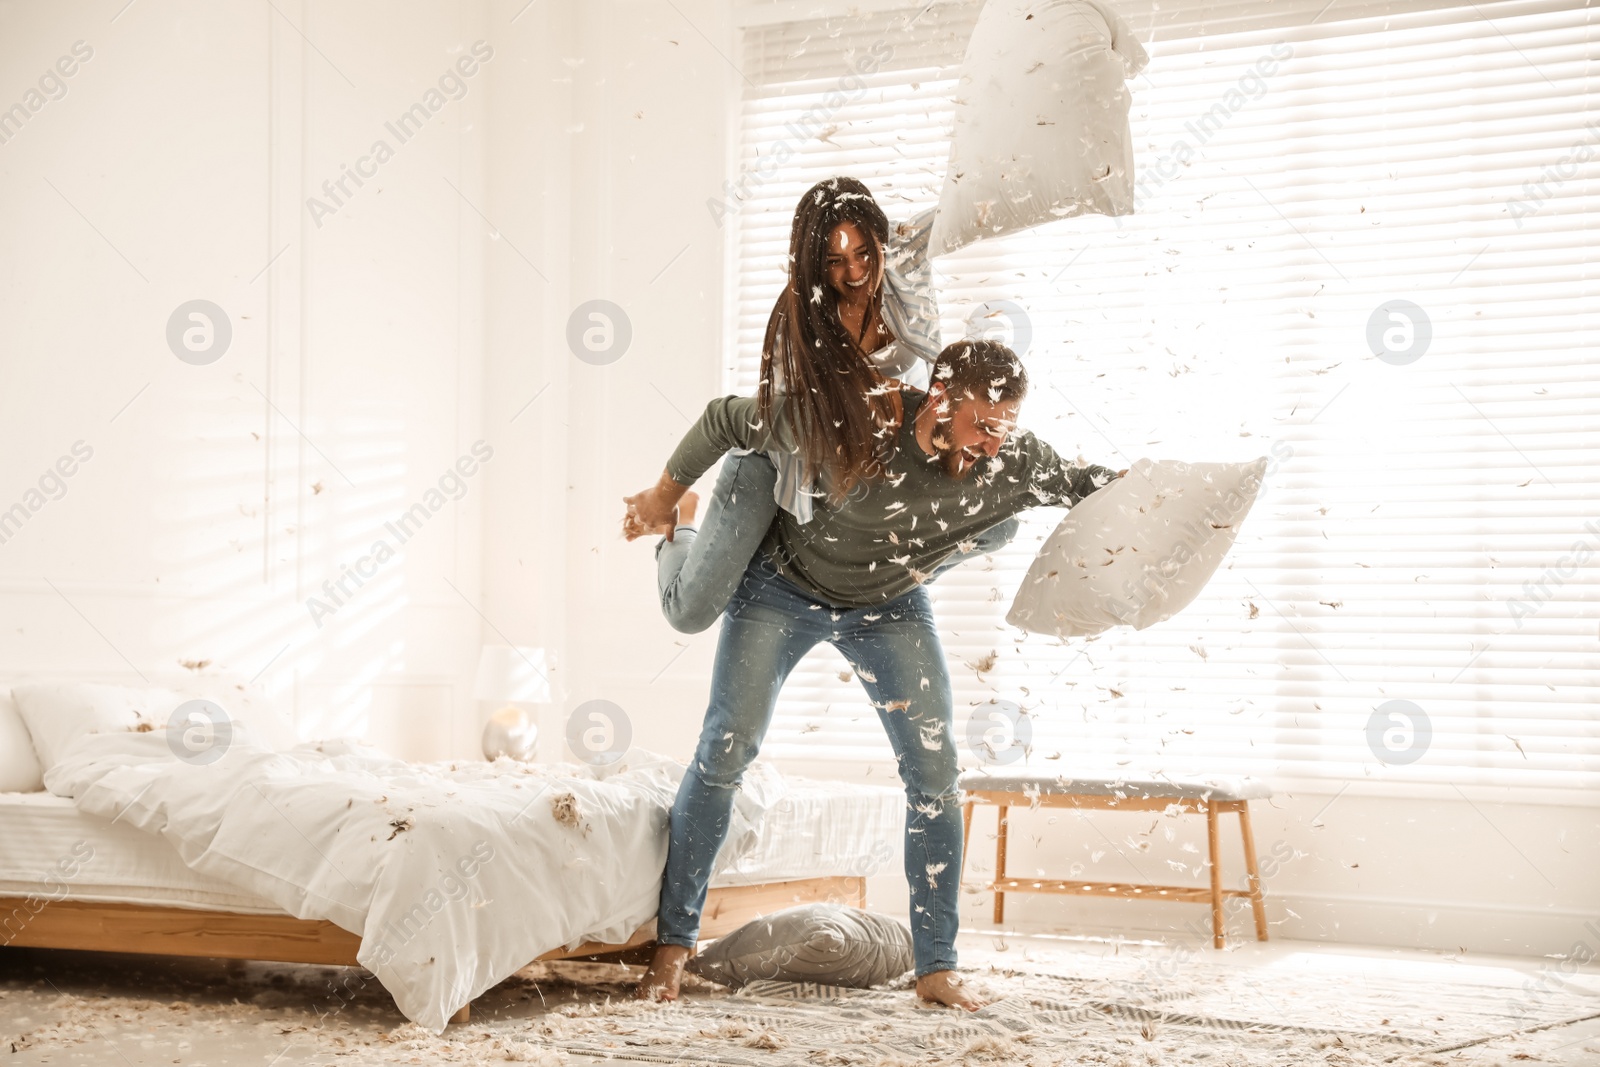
{"x": 857, "y": 309}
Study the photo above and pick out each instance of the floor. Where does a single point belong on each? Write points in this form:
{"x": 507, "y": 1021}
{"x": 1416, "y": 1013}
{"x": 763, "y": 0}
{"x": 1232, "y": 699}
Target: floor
{"x": 61, "y": 1008}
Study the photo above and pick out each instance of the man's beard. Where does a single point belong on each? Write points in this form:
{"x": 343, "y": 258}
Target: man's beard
{"x": 956, "y": 462}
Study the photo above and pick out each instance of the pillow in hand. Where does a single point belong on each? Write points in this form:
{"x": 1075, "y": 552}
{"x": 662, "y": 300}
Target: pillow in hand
{"x": 1138, "y": 550}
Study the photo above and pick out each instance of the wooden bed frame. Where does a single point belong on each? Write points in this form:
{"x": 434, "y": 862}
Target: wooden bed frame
{"x": 168, "y": 931}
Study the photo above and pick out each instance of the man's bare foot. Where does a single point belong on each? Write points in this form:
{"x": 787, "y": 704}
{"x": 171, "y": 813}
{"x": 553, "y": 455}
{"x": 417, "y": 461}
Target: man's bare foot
{"x": 687, "y": 506}
{"x": 948, "y": 988}
{"x": 661, "y": 981}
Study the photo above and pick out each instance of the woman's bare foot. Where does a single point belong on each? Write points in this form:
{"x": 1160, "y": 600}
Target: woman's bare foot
{"x": 660, "y": 981}
{"x": 633, "y": 527}
{"x": 948, "y": 988}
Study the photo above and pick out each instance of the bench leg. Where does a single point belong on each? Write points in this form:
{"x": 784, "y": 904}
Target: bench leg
{"x": 1256, "y": 903}
{"x": 1213, "y": 838}
{"x": 463, "y": 1014}
{"x": 1000, "y": 867}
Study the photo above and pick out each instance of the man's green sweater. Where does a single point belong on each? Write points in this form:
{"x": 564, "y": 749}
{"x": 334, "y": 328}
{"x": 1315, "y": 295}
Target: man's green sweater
{"x": 889, "y": 536}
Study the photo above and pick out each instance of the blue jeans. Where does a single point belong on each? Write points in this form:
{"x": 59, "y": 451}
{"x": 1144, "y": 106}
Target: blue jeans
{"x": 698, "y": 570}
{"x": 771, "y": 623}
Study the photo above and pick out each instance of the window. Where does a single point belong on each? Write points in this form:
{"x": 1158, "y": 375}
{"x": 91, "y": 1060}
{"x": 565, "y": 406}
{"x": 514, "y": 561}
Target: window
{"x": 1412, "y": 600}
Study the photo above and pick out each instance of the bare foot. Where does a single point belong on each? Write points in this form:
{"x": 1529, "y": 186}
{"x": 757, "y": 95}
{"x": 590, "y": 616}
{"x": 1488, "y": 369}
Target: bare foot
{"x": 660, "y": 982}
{"x": 948, "y": 988}
{"x": 633, "y": 527}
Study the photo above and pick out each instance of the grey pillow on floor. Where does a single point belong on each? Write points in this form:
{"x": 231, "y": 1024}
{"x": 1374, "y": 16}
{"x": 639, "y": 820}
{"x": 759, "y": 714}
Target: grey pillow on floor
{"x": 827, "y": 943}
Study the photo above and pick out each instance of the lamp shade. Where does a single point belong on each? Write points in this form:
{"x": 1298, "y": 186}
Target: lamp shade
{"x": 517, "y": 674}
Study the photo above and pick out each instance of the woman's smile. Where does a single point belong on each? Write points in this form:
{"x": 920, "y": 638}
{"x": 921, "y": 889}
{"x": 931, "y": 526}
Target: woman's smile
{"x": 850, "y": 263}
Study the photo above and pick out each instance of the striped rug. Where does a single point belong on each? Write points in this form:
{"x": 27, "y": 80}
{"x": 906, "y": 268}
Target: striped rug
{"x": 1146, "y": 1010}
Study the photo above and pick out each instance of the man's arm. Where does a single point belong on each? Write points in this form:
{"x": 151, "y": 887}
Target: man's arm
{"x": 727, "y": 422}
{"x": 1054, "y": 481}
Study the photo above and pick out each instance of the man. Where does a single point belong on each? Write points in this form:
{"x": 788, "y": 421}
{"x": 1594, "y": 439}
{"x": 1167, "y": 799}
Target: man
{"x": 853, "y": 576}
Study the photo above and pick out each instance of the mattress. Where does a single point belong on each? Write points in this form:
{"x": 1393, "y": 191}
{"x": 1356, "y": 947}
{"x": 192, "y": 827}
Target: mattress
{"x": 49, "y": 848}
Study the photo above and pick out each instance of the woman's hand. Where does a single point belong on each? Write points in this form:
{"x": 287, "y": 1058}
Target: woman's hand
{"x": 654, "y": 511}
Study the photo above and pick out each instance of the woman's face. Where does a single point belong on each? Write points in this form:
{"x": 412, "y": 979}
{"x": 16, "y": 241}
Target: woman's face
{"x": 849, "y": 263}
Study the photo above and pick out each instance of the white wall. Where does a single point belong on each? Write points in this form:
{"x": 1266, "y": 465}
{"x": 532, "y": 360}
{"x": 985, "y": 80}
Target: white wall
{"x": 607, "y": 182}
{"x": 421, "y": 314}
{"x": 399, "y": 322}
{"x": 220, "y": 497}
{"x": 425, "y": 315}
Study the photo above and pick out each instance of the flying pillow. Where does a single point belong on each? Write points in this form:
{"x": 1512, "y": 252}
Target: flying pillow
{"x": 1041, "y": 129}
{"x": 1137, "y": 551}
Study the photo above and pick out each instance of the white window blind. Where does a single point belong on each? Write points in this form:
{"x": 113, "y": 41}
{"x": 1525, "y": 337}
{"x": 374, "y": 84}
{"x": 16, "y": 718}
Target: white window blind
{"x": 1430, "y": 530}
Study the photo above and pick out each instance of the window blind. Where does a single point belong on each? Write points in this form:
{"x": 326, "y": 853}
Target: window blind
{"x": 1412, "y": 599}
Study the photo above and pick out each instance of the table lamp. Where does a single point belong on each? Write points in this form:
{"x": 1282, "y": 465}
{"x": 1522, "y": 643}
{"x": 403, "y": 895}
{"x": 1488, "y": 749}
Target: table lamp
{"x": 512, "y": 675}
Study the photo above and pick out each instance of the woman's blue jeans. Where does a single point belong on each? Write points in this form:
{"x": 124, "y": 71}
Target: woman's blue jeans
{"x": 771, "y": 623}
{"x": 698, "y": 570}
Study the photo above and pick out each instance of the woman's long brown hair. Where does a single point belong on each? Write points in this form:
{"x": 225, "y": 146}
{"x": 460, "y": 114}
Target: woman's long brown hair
{"x": 844, "y": 411}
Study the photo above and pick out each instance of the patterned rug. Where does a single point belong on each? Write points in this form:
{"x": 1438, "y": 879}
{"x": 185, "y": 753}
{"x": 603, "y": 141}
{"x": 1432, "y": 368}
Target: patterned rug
{"x": 1051, "y": 1003}
{"x": 1147, "y": 1010}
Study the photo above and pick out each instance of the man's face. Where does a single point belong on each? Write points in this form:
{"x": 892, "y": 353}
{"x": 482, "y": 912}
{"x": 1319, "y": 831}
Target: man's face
{"x": 968, "y": 429}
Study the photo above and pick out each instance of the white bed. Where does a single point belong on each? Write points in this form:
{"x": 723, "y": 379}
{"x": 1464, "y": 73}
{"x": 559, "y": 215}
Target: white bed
{"x": 168, "y": 876}
{"x": 816, "y": 830}
{"x": 440, "y": 878}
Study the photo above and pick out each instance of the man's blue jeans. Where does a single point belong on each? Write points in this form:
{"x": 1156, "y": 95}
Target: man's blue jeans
{"x": 770, "y": 624}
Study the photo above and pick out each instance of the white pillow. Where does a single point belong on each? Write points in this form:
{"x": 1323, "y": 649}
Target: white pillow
{"x": 1138, "y": 550}
{"x": 1041, "y": 128}
{"x": 828, "y": 943}
{"x": 58, "y": 714}
{"x": 245, "y": 703}
{"x": 19, "y": 765}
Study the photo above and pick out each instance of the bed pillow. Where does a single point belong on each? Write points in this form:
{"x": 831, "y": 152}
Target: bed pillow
{"x": 58, "y": 714}
{"x": 827, "y": 943}
{"x": 268, "y": 724}
{"x": 1138, "y": 550}
{"x": 1041, "y": 130}
{"x": 19, "y": 765}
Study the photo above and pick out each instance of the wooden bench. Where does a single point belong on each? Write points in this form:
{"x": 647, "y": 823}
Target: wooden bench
{"x": 1208, "y": 797}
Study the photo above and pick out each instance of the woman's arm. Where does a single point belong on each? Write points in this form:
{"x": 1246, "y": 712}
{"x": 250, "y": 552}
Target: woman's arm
{"x": 910, "y": 304}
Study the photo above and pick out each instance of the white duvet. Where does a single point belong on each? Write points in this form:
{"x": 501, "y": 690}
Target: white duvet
{"x": 454, "y": 875}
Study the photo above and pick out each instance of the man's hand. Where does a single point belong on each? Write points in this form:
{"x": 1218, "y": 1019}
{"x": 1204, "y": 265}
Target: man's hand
{"x": 654, "y": 511}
